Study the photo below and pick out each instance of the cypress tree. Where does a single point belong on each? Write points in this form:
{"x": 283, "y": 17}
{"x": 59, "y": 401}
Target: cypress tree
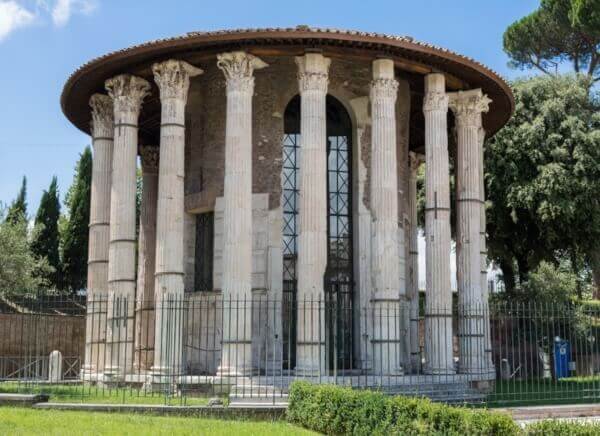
{"x": 75, "y": 236}
{"x": 18, "y": 208}
{"x": 45, "y": 242}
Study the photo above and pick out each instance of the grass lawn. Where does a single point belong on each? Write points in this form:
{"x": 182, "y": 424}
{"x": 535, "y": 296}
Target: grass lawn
{"x": 571, "y": 390}
{"x": 17, "y": 421}
{"x": 92, "y": 394}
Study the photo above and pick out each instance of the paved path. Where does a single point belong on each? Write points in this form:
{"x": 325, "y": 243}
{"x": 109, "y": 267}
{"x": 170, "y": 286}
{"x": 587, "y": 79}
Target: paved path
{"x": 587, "y": 412}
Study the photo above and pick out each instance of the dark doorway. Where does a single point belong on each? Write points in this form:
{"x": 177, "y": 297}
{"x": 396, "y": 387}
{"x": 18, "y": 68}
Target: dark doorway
{"x": 339, "y": 280}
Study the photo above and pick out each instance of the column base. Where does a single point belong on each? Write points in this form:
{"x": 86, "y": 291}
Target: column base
{"x": 112, "y": 375}
{"x": 310, "y": 360}
{"x": 88, "y": 373}
{"x": 236, "y": 371}
{"x": 274, "y": 367}
{"x": 161, "y": 379}
{"x": 439, "y": 371}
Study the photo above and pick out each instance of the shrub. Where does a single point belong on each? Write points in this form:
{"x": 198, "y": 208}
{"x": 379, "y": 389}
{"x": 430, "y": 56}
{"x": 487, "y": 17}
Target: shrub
{"x": 563, "y": 428}
{"x": 336, "y": 410}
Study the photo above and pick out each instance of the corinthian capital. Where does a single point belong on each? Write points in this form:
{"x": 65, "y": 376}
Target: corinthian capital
{"x": 102, "y": 116}
{"x": 238, "y": 68}
{"x": 435, "y": 101}
{"x": 468, "y": 106}
{"x": 383, "y": 85}
{"x": 149, "y": 155}
{"x": 384, "y": 88}
{"x": 173, "y": 78}
{"x": 127, "y": 92}
{"x": 313, "y": 72}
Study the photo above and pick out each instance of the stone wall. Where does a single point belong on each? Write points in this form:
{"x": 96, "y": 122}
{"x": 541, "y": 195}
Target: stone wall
{"x": 274, "y": 88}
{"x": 260, "y": 240}
{"x": 28, "y": 337}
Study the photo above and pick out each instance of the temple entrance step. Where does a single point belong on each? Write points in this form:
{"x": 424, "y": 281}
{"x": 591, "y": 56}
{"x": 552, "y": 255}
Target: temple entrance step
{"x": 458, "y": 392}
{"x": 256, "y": 391}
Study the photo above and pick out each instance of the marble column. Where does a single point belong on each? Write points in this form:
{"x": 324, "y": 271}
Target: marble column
{"x": 313, "y": 79}
{"x": 236, "y": 357}
{"x": 97, "y": 284}
{"x": 385, "y": 293}
{"x": 415, "y": 161}
{"x": 173, "y": 80}
{"x": 489, "y": 363}
{"x": 438, "y": 307}
{"x": 144, "y": 306}
{"x": 467, "y": 107}
{"x": 127, "y": 93}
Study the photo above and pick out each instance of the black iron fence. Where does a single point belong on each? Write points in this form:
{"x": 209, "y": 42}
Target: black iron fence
{"x": 188, "y": 349}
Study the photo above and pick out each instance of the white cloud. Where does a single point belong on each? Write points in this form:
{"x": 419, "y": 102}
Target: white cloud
{"x": 16, "y": 14}
{"x": 13, "y": 16}
{"x": 63, "y": 9}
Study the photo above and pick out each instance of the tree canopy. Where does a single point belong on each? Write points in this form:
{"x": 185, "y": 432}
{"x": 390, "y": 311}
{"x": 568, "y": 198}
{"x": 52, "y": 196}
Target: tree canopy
{"x": 75, "y": 235}
{"x": 20, "y": 270}
{"x": 543, "y": 177}
{"x": 558, "y": 31}
{"x": 46, "y": 240}
{"x": 18, "y": 208}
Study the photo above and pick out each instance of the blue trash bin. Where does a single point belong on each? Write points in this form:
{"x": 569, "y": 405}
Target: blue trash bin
{"x": 562, "y": 351}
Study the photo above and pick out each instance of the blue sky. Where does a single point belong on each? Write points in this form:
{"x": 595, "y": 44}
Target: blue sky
{"x": 43, "y": 41}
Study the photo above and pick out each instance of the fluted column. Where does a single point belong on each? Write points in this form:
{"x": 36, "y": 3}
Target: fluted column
{"x": 173, "y": 80}
{"x": 97, "y": 284}
{"x": 438, "y": 307}
{"x": 415, "y": 161}
{"x": 467, "y": 107}
{"x": 127, "y": 93}
{"x": 238, "y": 68}
{"x": 385, "y": 297}
{"x": 489, "y": 363}
{"x": 144, "y": 306}
{"x": 313, "y": 79}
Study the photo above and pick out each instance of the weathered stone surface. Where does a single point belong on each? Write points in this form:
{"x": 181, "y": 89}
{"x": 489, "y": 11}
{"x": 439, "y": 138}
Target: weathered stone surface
{"x": 173, "y": 80}
{"x": 412, "y": 282}
{"x": 349, "y": 82}
{"x": 127, "y": 93}
{"x": 55, "y": 371}
{"x": 238, "y": 68}
{"x": 144, "y": 304}
{"x": 385, "y": 272}
{"x": 438, "y": 307}
{"x": 99, "y": 233}
{"x": 313, "y": 70}
{"x": 467, "y": 107}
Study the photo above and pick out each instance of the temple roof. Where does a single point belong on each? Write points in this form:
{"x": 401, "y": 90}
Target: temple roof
{"x": 414, "y": 57}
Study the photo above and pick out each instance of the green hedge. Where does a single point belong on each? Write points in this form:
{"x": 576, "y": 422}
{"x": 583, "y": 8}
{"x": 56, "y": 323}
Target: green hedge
{"x": 563, "y": 428}
{"x": 336, "y": 410}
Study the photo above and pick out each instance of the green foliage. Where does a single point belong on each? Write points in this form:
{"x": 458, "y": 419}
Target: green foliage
{"x": 76, "y": 233}
{"x": 585, "y": 15}
{"x": 18, "y": 208}
{"x": 550, "y": 284}
{"x": 563, "y": 428}
{"x": 46, "y": 240}
{"x": 558, "y": 31}
{"x": 27, "y": 422}
{"x": 336, "y": 410}
{"x": 20, "y": 270}
{"x": 543, "y": 176}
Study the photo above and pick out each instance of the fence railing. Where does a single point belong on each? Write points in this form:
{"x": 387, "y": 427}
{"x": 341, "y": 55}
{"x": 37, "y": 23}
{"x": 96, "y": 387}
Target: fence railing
{"x": 186, "y": 349}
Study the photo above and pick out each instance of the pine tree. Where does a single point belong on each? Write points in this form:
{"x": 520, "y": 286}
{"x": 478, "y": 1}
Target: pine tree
{"x": 46, "y": 239}
{"x": 18, "y": 209}
{"x": 75, "y": 236}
